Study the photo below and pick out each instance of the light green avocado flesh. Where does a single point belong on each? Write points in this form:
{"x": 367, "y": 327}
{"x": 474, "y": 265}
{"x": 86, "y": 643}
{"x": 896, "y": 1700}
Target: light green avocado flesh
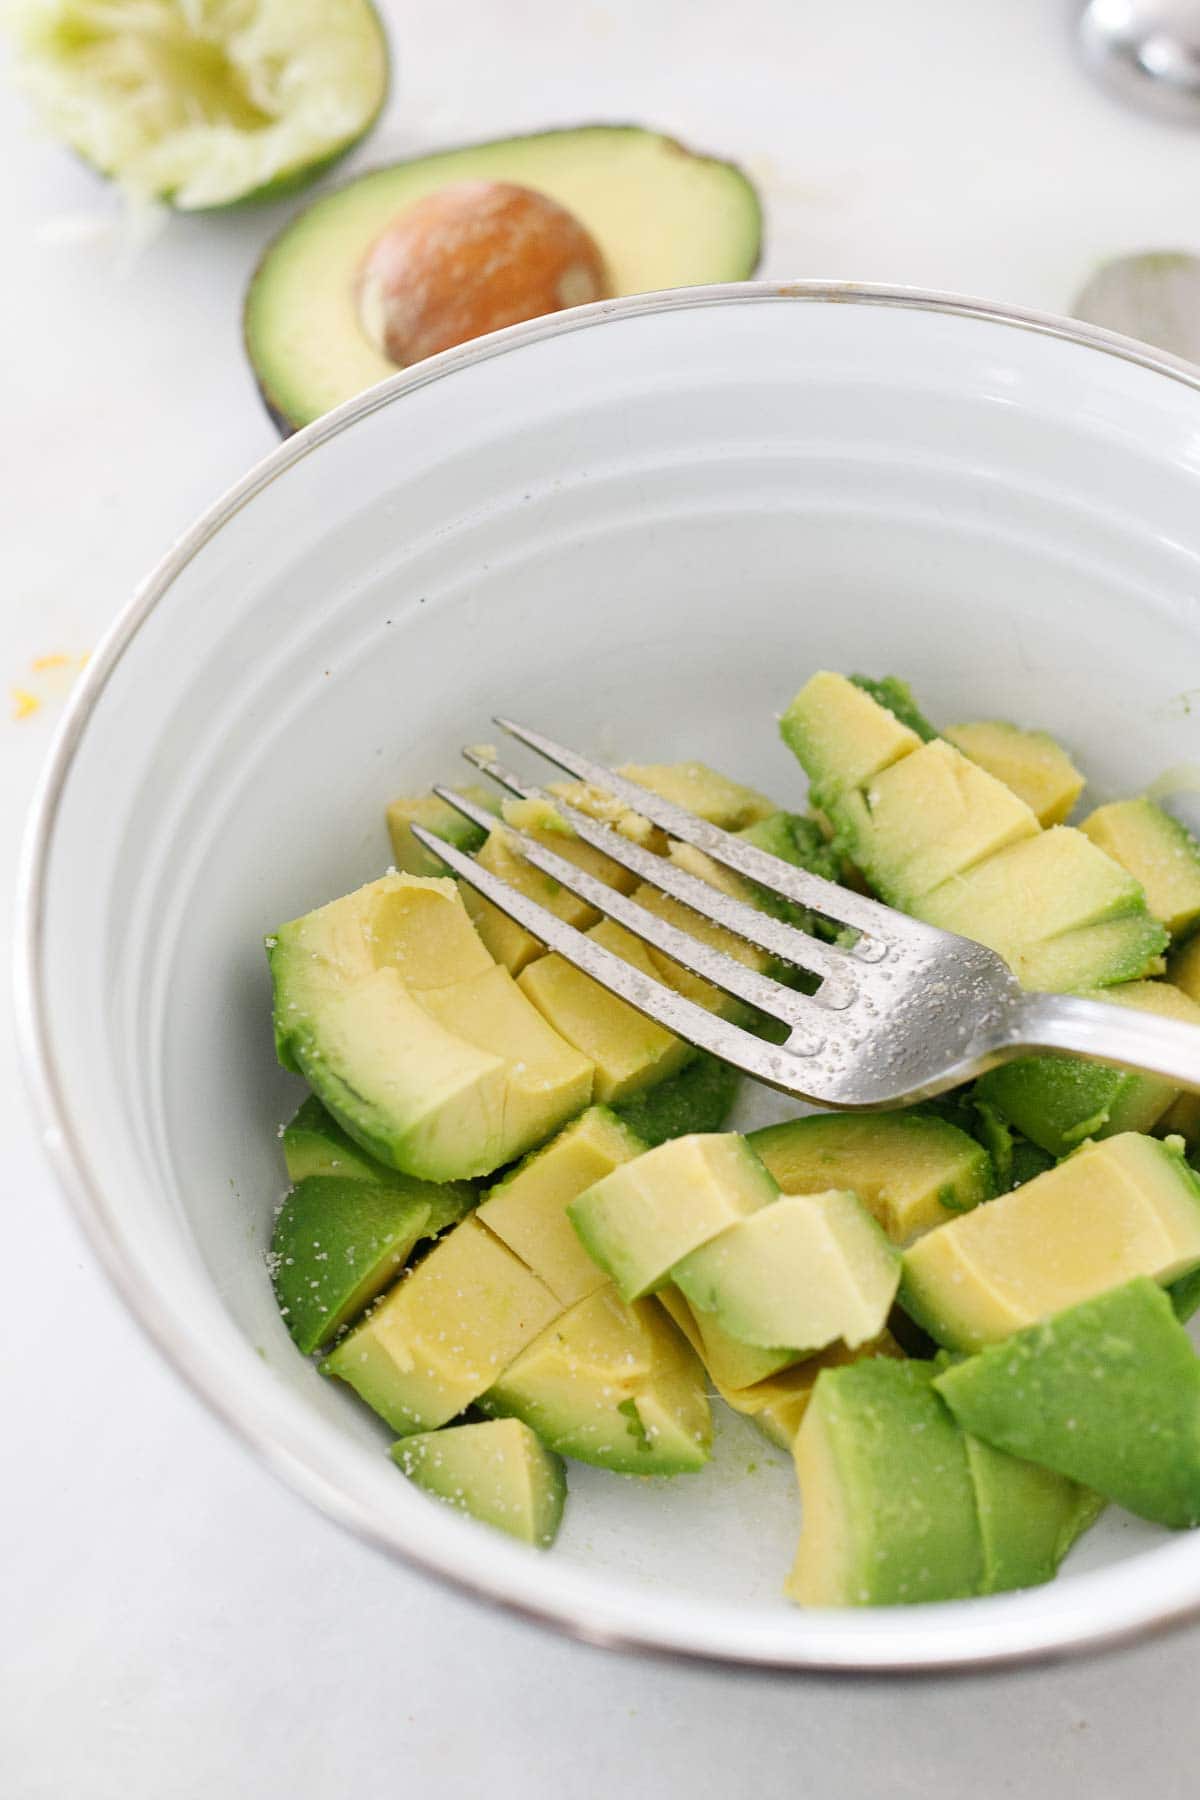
{"x": 1029, "y": 1517}
{"x": 889, "y": 1512}
{"x": 339, "y": 1241}
{"x": 438, "y": 816}
{"x": 910, "y": 1170}
{"x": 661, "y": 216}
{"x": 942, "y": 839}
{"x": 497, "y": 1471}
{"x": 1106, "y": 1393}
{"x": 422, "y": 1048}
{"x": 614, "y": 1385}
{"x": 205, "y": 105}
{"x": 315, "y": 1144}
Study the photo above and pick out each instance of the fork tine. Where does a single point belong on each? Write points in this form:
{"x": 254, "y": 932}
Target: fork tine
{"x": 773, "y": 935}
{"x": 786, "y": 1066}
{"x": 826, "y": 897}
{"x": 712, "y": 965}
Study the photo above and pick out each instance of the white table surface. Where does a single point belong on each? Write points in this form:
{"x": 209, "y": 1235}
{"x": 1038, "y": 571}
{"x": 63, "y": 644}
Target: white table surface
{"x": 174, "y": 1624}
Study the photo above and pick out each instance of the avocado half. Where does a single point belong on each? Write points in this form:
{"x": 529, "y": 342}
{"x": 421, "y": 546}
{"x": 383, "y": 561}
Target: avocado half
{"x": 662, "y": 216}
{"x": 199, "y": 106}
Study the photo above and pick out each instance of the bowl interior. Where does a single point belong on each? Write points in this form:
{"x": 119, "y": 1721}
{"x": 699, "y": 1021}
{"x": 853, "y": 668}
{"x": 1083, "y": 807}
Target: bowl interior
{"x": 640, "y": 530}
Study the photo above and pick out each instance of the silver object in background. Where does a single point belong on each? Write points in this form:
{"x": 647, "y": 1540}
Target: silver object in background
{"x": 903, "y": 1012}
{"x": 1146, "y": 52}
{"x": 1154, "y": 295}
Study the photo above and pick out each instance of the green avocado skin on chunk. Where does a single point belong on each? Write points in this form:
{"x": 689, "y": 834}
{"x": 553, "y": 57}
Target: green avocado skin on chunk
{"x": 699, "y": 1098}
{"x": 336, "y": 1244}
{"x": 897, "y": 696}
{"x": 1106, "y": 1393}
{"x": 904, "y": 1498}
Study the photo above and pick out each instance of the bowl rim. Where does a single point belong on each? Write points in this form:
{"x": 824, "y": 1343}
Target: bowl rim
{"x": 933, "y": 1651}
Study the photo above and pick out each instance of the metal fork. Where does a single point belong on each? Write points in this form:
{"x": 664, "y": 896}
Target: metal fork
{"x": 901, "y": 1013}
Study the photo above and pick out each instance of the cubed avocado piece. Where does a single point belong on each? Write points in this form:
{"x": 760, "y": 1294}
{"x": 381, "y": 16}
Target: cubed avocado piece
{"x": 1158, "y": 852}
{"x": 1106, "y": 1393}
{"x": 1029, "y": 1517}
{"x": 497, "y": 1471}
{"x": 899, "y": 699}
{"x": 337, "y": 1243}
{"x": 699, "y": 1098}
{"x": 910, "y": 1170}
{"x": 445, "y": 1332}
{"x": 1063, "y": 915}
{"x": 422, "y": 1048}
{"x": 1037, "y": 769}
{"x": 777, "y": 1404}
{"x": 660, "y": 215}
{"x": 509, "y": 942}
{"x": 1126, "y": 1206}
{"x": 889, "y": 1513}
{"x": 641, "y": 1220}
{"x": 629, "y": 1051}
{"x": 703, "y": 791}
{"x": 842, "y": 736}
{"x": 315, "y": 1144}
{"x": 438, "y": 816}
{"x": 733, "y": 1365}
{"x": 694, "y": 987}
{"x": 1057, "y": 1101}
{"x": 528, "y": 1209}
{"x": 805, "y": 1271}
{"x": 927, "y": 819}
{"x": 613, "y": 1385}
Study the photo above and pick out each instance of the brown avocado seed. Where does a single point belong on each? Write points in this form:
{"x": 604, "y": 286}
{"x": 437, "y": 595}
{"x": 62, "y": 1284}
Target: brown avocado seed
{"x": 471, "y": 258}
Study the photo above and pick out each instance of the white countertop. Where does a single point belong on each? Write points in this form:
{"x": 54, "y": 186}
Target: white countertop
{"x": 176, "y": 1625}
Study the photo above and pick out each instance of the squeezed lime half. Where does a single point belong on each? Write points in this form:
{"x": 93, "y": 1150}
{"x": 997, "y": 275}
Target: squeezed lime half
{"x": 204, "y": 103}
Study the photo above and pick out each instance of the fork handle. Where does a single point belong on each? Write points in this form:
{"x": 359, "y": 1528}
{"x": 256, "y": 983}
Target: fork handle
{"x": 1110, "y": 1034}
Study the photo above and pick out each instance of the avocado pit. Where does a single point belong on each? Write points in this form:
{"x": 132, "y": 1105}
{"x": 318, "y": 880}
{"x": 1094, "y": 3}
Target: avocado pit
{"x": 468, "y": 259}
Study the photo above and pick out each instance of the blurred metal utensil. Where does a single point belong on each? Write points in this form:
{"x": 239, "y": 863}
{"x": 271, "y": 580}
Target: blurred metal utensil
{"x": 1154, "y": 295}
{"x": 1146, "y": 52}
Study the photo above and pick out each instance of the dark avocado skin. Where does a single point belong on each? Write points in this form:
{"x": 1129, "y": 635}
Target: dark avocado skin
{"x": 285, "y": 426}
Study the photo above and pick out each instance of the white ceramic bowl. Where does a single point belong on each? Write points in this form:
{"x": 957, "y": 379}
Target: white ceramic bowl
{"x": 640, "y": 526}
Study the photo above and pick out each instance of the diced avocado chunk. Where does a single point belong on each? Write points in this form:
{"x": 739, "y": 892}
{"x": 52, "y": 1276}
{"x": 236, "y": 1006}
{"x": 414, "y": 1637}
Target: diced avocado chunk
{"x": 1057, "y": 1101}
{"x": 1183, "y": 971}
{"x": 613, "y": 1385}
{"x": 1029, "y": 1517}
{"x": 641, "y": 1220}
{"x": 910, "y": 1170}
{"x": 442, "y": 1336}
{"x": 629, "y": 1051}
{"x": 1062, "y": 914}
{"x": 927, "y": 819}
{"x": 842, "y": 736}
{"x": 509, "y": 942}
{"x": 698, "y": 1099}
{"x": 889, "y": 1514}
{"x": 439, "y": 817}
{"x": 1126, "y": 1206}
{"x": 778, "y": 1403}
{"x": 1185, "y": 1295}
{"x": 497, "y": 1471}
{"x": 897, "y": 696}
{"x": 1037, "y": 769}
{"x": 804, "y": 1271}
{"x": 422, "y": 1048}
{"x": 337, "y": 1243}
{"x": 732, "y": 1364}
{"x": 1158, "y": 852}
{"x": 315, "y": 1144}
{"x": 528, "y": 1209}
{"x": 703, "y": 791}
{"x": 1106, "y": 1393}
